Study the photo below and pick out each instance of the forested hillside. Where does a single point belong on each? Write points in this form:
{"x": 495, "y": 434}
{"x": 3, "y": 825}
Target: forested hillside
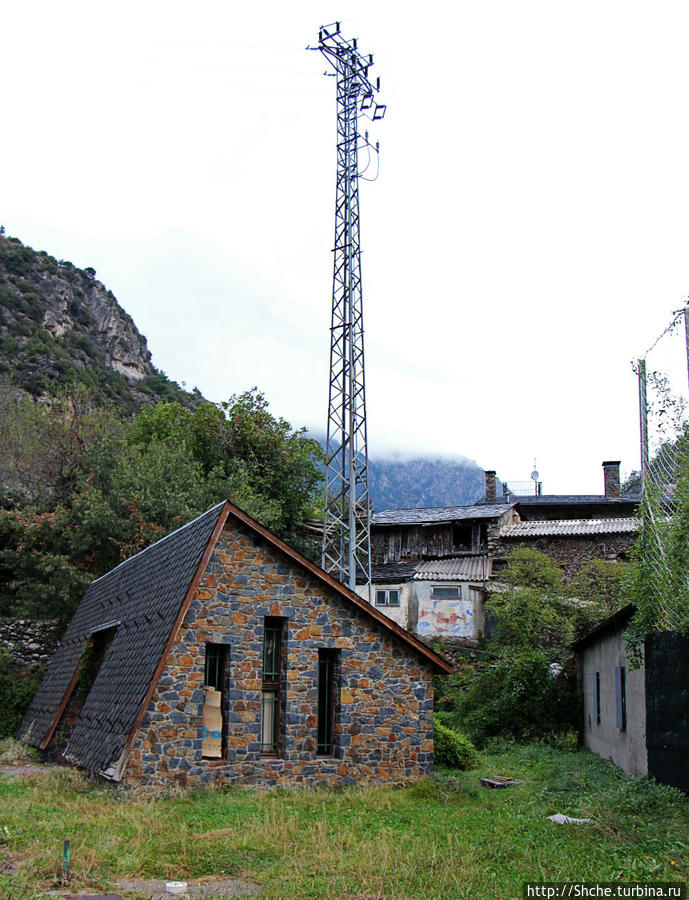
{"x": 100, "y": 453}
{"x": 59, "y": 327}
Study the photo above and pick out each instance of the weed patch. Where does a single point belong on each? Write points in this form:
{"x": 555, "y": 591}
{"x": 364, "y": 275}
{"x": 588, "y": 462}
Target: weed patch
{"x": 439, "y": 839}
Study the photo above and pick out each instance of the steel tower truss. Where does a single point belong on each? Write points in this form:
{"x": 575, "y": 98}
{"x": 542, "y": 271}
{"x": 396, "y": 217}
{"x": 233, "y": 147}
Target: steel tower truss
{"x": 346, "y": 533}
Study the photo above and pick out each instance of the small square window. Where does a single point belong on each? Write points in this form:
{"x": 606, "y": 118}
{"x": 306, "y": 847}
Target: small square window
{"x": 387, "y": 597}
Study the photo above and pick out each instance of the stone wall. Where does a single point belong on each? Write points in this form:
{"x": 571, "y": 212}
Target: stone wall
{"x": 30, "y": 643}
{"x": 384, "y": 707}
{"x": 570, "y": 552}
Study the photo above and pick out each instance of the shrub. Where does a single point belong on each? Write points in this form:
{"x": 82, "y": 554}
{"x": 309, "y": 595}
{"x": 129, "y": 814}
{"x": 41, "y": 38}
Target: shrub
{"x": 518, "y": 697}
{"x": 452, "y": 748}
{"x": 17, "y": 687}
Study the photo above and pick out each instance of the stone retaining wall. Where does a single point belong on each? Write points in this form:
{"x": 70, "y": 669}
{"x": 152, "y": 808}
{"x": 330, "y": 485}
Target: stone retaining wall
{"x": 30, "y": 642}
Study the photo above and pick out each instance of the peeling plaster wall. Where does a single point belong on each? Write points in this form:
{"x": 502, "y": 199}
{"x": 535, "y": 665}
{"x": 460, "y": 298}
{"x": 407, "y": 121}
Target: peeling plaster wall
{"x": 461, "y": 617}
{"x": 399, "y": 614}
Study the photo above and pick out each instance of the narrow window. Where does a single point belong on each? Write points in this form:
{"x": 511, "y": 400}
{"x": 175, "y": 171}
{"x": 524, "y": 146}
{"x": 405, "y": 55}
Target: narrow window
{"x": 621, "y": 697}
{"x": 327, "y": 701}
{"x": 393, "y": 598}
{"x": 213, "y": 683}
{"x": 381, "y": 598}
{"x": 596, "y": 697}
{"x": 272, "y": 682}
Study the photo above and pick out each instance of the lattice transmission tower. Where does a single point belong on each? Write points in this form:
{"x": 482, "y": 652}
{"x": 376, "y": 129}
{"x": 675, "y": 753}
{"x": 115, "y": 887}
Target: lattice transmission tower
{"x": 346, "y": 533}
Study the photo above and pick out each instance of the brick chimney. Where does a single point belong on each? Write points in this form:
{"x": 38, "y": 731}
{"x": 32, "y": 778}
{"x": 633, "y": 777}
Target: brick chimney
{"x": 491, "y": 490}
{"x": 611, "y": 476}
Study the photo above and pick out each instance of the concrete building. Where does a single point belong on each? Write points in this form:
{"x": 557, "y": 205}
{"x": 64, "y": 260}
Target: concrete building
{"x": 638, "y": 717}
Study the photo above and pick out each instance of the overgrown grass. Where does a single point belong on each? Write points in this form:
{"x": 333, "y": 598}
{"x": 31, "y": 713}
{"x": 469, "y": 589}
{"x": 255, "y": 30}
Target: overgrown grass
{"x": 443, "y": 838}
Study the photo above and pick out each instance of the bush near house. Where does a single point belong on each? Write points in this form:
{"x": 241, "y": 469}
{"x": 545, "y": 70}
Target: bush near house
{"x": 522, "y": 685}
{"x": 452, "y": 748}
{"x": 17, "y": 687}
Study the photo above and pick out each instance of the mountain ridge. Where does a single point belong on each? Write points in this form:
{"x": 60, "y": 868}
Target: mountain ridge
{"x": 60, "y": 327}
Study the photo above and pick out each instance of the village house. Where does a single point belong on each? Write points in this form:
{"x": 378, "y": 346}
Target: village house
{"x": 638, "y": 717}
{"x": 433, "y": 567}
{"x": 219, "y": 653}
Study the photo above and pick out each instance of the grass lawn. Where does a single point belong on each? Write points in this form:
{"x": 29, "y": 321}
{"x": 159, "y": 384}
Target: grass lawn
{"x": 442, "y": 838}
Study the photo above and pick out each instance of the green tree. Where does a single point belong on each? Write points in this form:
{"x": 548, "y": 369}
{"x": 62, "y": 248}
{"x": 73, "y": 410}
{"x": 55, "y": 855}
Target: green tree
{"x": 523, "y": 685}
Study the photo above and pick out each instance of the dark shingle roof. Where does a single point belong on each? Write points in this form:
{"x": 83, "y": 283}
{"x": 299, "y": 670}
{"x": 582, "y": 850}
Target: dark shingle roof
{"x": 142, "y": 599}
{"x": 439, "y": 514}
{"x": 577, "y": 500}
{"x": 143, "y": 595}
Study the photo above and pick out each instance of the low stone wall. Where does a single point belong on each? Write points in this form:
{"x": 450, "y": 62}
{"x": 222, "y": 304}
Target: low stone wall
{"x": 568, "y": 553}
{"x": 30, "y": 642}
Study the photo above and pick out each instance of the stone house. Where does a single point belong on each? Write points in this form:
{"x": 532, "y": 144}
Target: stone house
{"x": 219, "y": 653}
{"x": 639, "y": 717}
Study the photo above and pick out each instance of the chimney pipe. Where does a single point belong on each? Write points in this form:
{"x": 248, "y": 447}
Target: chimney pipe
{"x": 491, "y": 490}
{"x": 611, "y": 476}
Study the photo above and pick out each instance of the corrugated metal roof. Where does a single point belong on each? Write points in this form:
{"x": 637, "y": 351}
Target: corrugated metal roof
{"x": 463, "y": 568}
{"x": 439, "y": 514}
{"x": 571, "y": 528}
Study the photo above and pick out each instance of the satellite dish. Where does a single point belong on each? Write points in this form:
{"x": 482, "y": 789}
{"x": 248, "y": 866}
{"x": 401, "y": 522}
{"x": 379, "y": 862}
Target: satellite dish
{"x": 534, "y": 475}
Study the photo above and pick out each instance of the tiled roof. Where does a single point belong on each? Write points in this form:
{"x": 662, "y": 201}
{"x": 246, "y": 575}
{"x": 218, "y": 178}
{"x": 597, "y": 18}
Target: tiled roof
{"x": 392, "y": 572}
{"x": 143, "y": 595}
{"x": 439, "y": 514}
{"x": 463, "y": 568}
{"x": 571, "y": 527}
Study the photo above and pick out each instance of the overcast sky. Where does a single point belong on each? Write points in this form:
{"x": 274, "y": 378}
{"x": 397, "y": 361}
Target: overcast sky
{"x": 526, "y": 239}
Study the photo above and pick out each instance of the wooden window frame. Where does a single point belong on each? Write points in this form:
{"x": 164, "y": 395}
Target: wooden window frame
{"x": 272, "y": 685}
{"x": 214, "y": 674}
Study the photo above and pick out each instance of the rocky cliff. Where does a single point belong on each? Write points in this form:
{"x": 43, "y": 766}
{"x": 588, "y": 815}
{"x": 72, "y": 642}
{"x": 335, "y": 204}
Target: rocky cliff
{"x": 60, "y": 327}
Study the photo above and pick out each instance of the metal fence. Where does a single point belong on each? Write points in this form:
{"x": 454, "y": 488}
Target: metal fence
{"x": 663, "y": 373}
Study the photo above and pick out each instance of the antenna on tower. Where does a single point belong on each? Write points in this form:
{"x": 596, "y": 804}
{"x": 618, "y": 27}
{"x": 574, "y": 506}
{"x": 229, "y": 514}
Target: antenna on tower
{"x": 346, "y": 552}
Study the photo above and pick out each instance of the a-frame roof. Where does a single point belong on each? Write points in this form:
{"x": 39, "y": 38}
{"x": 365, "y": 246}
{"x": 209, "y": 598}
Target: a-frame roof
{"x": 144, "y": 600}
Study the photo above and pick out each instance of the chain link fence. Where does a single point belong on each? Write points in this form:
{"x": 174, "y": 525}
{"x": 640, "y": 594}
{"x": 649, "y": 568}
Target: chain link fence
{"x": 663, "y": 561}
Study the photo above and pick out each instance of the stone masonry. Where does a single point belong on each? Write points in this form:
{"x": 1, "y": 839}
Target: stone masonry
{"x": 384, "y": 691}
